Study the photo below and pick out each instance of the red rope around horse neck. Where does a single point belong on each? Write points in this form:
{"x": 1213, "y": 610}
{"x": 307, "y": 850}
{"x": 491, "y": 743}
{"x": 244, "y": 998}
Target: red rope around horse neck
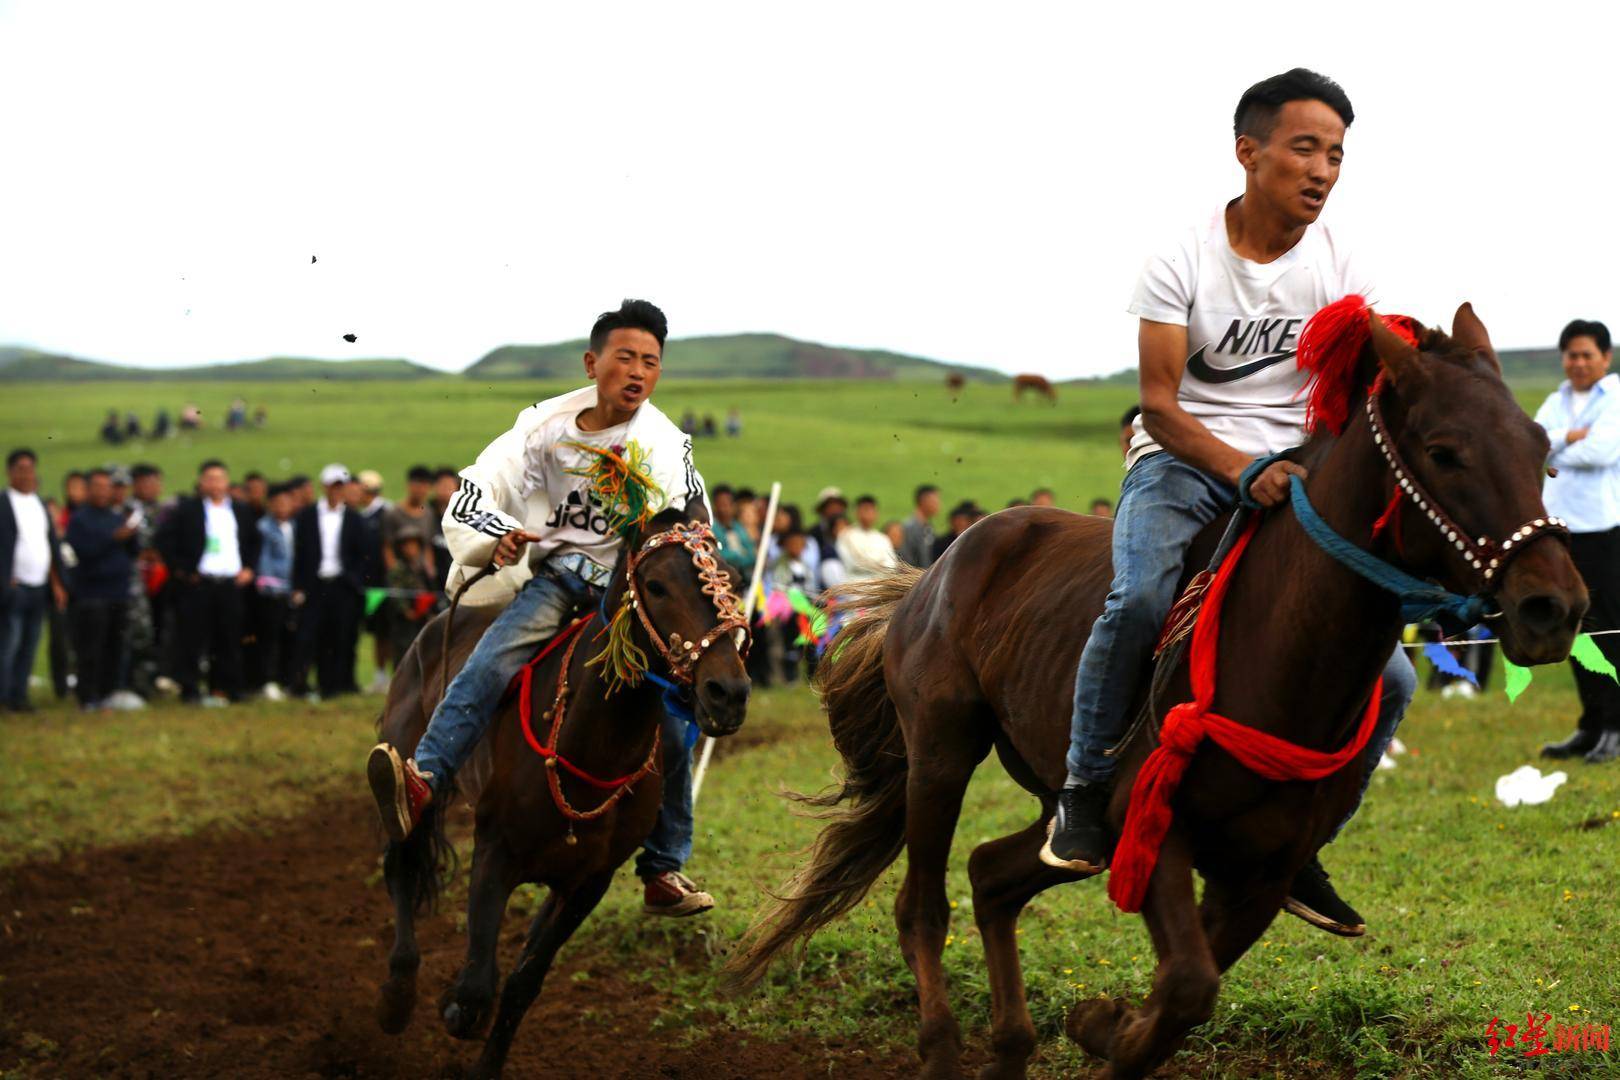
{"x": 526, "y": 712}
{"x": 1186, "y": 726}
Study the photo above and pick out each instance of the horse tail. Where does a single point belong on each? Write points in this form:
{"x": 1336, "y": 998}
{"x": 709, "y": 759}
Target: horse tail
{"x": 863, "y": 838}
{"x": 419, "y": 867}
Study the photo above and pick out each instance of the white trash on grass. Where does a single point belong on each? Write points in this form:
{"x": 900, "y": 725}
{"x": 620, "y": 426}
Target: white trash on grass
{"x": 1525, "y": 785}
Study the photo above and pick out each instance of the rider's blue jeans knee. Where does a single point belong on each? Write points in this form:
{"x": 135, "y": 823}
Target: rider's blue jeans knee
{"x": 536, "y": 613}
{"x": 669, "y": 845}
{"x": 1400, "y": 683}
{"x": 1163, "y": 505}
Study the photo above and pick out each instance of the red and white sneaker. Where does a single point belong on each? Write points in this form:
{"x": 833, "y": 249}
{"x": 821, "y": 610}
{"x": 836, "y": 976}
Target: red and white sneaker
{"x": 402, "y": 791}
{"x": 675, "y": 895}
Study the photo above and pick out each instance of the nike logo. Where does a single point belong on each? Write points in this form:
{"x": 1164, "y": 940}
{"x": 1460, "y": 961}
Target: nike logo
{"x": 1199, "y": 368}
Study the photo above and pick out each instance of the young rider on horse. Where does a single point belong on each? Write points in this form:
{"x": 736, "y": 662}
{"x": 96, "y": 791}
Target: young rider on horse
{"x": 525, "y": 506}
{"x": 1221, "y": 310}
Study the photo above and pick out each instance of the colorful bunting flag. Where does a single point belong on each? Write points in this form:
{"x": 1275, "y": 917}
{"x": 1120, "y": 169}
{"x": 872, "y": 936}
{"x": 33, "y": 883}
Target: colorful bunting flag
{"x": 1441, "y": 658}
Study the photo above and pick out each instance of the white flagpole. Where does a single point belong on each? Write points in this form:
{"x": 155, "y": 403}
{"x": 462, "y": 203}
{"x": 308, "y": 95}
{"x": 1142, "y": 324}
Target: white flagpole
{"x": 755, "y": 589}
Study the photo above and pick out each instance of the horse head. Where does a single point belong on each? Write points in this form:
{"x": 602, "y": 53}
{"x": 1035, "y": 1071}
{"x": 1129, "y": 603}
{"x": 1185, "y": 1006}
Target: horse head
{"x": 688, "y": 614}
{"x": 1472, "y": 516}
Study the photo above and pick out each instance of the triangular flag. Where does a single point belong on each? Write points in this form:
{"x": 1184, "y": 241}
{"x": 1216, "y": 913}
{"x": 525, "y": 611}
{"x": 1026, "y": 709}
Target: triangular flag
{"x": 374, "y": 599}
{"x": 1446, "y": 664}
{"x": 1587, "y": 654}
{"x": 1517, "y": 679}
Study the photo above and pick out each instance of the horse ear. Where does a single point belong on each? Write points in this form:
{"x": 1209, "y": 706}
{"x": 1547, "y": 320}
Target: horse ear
{"x": 1468, "y": 331}
{"x": 697, "y": 510}
{"x": 1399, "y": 360}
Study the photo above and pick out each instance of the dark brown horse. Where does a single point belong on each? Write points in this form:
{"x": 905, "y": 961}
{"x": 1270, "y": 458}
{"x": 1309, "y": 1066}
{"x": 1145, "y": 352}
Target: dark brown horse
{"x": 980, "y": 651}
{"x": 524, "y": 833}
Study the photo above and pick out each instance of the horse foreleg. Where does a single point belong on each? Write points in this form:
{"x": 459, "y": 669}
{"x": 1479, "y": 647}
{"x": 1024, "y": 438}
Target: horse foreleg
{"x": 466, "y": 1003}
{"x": 553, "y": 926}
{"x": 396, "y": 998}
{"x": 1187, "y": 980}
{"x": 1235, "y": 917}
{"x": 922, "y": 912}
{"x": 1006, "y": 873}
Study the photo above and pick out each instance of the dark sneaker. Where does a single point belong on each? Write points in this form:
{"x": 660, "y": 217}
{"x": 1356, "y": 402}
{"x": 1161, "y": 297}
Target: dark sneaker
{"x": 1077, "y": 836}
{"x": 1607, "y": 748}
{"x": 402, "y": 792}
{"x": 1312, "y": 898}
{"x": 1580, "y": 743}
{"x": 675, "y": 895}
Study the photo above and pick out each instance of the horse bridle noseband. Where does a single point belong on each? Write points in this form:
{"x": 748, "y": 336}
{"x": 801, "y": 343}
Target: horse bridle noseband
{"x": 1486, "y": 555}
{"x": 682, "y": 656}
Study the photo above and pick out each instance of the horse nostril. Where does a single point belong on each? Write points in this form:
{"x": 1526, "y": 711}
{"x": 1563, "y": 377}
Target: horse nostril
{"x": 723, "y": 693}
{"x": 1542, "y": 612}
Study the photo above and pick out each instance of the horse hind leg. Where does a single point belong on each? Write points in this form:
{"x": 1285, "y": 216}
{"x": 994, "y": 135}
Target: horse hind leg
{"x": 551, "y": 929}
{"x": 935, "y": 785}
{"x": 1006, "y": 874}
{"x": 1184, "y": 987}
{"x": 466, "y": 1004}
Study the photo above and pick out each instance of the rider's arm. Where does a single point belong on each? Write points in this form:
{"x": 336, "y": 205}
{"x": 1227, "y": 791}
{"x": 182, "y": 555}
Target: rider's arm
{"x": 474, "y": 522}
{"x": 1162, "y": 350}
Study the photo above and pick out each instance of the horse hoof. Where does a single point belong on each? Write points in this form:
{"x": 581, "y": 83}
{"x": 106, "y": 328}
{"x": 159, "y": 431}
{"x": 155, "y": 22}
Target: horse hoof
{"x": 464, "y": 1020}
{"x": 1092, "y": 1024}
{"x": 396, "y": 1000}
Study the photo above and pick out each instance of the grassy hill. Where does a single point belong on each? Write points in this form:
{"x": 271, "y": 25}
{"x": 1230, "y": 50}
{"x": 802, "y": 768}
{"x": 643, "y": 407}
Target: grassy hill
{"x": 732, "y": 356}
{"x": 19, "y": 365}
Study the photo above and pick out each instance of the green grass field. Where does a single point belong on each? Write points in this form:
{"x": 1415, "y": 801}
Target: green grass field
{"x": 1475, "y": 910}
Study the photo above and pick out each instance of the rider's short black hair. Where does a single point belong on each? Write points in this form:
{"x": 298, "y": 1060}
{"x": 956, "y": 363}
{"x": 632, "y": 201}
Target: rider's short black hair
{"x": 632, "y": 315}
{"x": 1586, "y": 328}
{"x": 1256, "y": 113}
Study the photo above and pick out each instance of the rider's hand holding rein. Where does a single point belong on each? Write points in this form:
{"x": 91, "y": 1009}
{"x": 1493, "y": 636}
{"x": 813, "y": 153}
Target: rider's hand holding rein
{"x": 510, "y": 548}
{"x": 1270, "y": 488}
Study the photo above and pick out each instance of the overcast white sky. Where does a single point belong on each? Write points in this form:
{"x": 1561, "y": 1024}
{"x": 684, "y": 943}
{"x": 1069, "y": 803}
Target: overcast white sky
{"x": 977, "y": 183}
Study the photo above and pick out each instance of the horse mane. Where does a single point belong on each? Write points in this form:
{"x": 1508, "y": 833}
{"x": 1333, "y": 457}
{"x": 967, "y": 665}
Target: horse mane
{"x": 1332, "y": 348}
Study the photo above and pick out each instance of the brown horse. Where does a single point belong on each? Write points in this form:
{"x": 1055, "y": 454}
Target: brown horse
{"x": 1038, "y": 383}
{"x": 980, "y": 651}
{"x": 529, "y": 830}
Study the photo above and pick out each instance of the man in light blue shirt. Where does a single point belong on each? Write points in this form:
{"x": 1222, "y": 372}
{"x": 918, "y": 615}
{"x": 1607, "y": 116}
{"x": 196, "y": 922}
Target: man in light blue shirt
{"x": 1582, "y": 418}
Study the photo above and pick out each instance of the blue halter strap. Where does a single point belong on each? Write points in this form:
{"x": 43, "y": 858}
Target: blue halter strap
{"x": 677, "y": 703}
{"x": 1420, "y": 600}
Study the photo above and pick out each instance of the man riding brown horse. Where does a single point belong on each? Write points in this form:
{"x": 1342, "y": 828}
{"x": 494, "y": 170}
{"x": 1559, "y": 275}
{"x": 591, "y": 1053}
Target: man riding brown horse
{"x": 1220, "y": 314}
{"x": 533, "y": 504}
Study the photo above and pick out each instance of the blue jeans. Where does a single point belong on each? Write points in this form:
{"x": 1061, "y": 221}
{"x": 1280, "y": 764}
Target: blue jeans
{"x": 669, "y": 845}
{"x": 538, "y": 611}
{"x": 22, "y": 612}
{"x": 1163, "y": 505}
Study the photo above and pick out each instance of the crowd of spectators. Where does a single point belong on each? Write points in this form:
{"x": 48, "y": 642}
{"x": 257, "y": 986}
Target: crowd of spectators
{"x": 246, "y": 586}
{"x": 234, "y": 588}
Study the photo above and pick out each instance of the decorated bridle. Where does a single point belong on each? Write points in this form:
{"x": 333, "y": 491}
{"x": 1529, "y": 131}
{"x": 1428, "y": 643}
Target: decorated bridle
{"x": 680, "y": 655}
{"x": 1487, "y": 555}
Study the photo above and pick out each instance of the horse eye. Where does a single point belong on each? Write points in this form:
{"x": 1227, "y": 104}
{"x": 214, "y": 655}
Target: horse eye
{"x": 656, "y": 588}
{"x": 1444, "y": 456}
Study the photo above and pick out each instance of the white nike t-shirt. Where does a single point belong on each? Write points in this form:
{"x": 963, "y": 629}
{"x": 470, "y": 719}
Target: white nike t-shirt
{"x": 1243, "y": 320}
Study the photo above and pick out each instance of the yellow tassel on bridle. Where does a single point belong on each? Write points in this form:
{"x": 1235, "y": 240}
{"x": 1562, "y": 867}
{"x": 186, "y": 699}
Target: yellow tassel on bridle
{"x": 623, "y": 663}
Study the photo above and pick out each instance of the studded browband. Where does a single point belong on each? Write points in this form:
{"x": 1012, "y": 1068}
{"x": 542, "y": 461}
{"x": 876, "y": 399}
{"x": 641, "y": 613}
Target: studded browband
{"x": 1486, "y": 555}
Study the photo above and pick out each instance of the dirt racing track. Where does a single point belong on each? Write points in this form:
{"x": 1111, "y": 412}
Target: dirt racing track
{"x": 229, "y": 956}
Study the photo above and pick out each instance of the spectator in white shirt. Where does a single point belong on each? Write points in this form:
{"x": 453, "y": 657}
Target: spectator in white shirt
{"x": 27, "y": 570}
{"x": 866, "y": 552}
{"x": 1582, "y": 418}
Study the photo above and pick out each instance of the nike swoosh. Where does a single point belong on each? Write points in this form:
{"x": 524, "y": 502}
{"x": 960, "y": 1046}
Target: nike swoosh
{"x": 1200, "y": 369}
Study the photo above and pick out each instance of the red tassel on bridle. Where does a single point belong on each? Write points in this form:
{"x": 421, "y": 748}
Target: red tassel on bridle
{"x": 1330, "y": 349}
